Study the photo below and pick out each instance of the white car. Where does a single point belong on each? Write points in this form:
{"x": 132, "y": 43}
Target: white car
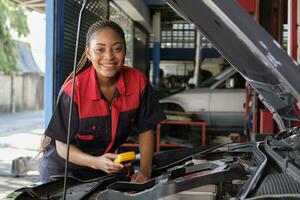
{"x": 219, "y": 101}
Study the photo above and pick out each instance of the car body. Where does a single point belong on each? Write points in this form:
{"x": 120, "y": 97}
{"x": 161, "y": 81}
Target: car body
{"x": 216, "y": 102}
{"x": 268, "y": 169}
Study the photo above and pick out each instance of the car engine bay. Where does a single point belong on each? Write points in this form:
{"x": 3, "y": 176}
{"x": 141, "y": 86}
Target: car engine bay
{"x": 261, "y": 170}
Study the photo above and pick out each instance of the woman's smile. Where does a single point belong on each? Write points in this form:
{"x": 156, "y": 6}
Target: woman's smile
{"x": 108, "y": 65}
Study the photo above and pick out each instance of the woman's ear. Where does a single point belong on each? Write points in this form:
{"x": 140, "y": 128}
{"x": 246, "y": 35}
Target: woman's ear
{"x": 87, "y": 53}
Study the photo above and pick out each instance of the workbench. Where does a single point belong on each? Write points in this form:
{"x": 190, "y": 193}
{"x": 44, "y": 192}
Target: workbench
{"x": 158, "y": 145}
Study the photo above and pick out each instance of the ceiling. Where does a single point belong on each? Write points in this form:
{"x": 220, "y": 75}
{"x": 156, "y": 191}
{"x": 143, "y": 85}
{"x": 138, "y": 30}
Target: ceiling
{"x": 167, "y": 14}
{"x": 38, "y": 5}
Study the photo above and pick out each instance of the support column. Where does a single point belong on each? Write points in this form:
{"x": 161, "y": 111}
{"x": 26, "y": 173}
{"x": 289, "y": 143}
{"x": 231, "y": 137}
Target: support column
{"x": 292, "y": 29}
{"x": 156, "y": 48}
{"x": 197, "y": 72}
{"x": 297, "y": 31}
{"x": 48, "y": 84}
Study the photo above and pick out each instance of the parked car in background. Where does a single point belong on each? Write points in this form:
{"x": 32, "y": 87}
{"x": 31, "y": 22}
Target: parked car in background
{"x": 219, "y": 101}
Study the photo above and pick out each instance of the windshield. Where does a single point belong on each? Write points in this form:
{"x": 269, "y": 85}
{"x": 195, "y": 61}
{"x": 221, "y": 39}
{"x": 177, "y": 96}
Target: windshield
{"x": 208, "y": 82}
{"x": 214, "y": 79}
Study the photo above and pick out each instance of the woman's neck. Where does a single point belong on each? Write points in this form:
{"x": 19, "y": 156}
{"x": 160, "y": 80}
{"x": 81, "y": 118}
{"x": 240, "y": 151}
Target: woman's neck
{"x": 107, "y": 82}
{"x": 107, "y": 87}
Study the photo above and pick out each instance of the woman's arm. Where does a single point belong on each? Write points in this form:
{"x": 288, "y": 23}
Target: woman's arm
{"x": 146, "y": 146}
{"x": 76, "y": 156}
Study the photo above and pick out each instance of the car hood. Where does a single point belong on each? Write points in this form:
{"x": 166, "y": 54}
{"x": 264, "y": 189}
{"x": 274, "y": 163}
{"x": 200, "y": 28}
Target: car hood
{"x": 250, "y": 50}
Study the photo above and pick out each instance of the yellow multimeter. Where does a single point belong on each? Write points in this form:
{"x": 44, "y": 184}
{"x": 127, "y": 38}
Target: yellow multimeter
{"x": 125, "y": 157}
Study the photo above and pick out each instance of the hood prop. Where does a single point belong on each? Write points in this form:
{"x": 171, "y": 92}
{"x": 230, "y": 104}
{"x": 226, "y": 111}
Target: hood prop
{"x": 72, "y": 97}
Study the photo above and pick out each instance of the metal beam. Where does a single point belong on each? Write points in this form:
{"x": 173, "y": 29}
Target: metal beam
{"x": 38, "y": 5}
{"x": 28, "y": 2}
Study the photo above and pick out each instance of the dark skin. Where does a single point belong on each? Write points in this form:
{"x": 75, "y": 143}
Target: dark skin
{"x": 106, "y": 50}
{"x": 108, "y": 91}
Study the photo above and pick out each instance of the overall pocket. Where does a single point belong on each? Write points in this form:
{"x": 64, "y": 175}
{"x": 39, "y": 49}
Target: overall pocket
{"x": 92, "y": 136}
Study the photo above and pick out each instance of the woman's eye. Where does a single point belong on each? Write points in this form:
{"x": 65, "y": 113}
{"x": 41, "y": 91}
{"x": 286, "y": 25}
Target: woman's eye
{"x": 99, "y": 50}
{"x": 118, "y": 49}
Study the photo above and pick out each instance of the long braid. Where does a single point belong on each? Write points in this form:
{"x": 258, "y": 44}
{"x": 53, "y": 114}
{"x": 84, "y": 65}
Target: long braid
{"x": 84, "y": 63}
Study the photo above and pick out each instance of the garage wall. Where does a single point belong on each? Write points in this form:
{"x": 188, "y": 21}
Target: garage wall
{"x": 5, "y": 93}
{"x": 18, "y": 95}
{"x": 21, "y": 93}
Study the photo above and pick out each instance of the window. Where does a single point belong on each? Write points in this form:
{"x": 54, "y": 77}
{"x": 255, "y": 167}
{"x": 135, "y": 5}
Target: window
{"x": 237, "y": 81}
{"x": 178, "y": 35}
{"x": 285, "y": 36}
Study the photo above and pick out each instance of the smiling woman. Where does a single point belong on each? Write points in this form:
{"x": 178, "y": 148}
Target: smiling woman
{"x": 110, "y": 102}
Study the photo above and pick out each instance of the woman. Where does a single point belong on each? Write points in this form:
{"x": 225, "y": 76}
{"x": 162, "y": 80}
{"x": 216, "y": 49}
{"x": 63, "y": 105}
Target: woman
{"x": 110, "y": 102}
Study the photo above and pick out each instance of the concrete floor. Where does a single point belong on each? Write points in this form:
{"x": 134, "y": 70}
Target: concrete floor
{"x": 20, "y": 136}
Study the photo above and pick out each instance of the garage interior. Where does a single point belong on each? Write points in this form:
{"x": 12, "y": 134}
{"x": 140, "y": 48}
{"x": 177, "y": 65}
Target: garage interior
{"x": 175, "y": 57}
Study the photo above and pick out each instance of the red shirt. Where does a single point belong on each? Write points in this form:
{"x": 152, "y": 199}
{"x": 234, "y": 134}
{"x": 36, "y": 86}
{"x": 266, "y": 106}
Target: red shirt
{"x": 97, "y": 126}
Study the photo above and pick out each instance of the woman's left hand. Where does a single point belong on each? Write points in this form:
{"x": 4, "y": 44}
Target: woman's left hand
{"x": 139, "y": 177}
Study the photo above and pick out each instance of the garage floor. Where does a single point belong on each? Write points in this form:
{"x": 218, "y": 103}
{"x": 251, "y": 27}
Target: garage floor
{"x": 20, "y": 135}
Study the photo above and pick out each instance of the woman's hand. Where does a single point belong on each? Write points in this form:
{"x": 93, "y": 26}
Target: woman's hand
{"x": 139, "y": 177}
{"x": 146, "y": 146}
{"x": 106, "y": 163}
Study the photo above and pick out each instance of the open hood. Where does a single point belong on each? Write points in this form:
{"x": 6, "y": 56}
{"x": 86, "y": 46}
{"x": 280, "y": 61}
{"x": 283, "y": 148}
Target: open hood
{"x": 250, "y": 50}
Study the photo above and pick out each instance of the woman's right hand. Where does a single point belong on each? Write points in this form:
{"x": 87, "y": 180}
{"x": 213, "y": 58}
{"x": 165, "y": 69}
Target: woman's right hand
{"x": 106, "y": 163}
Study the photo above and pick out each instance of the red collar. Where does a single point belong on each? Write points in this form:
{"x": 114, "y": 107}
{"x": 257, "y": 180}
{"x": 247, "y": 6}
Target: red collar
{"x": 93, "y": 91}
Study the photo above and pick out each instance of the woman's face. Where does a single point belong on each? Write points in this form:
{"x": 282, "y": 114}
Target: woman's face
{"x": 107, "y": 52}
